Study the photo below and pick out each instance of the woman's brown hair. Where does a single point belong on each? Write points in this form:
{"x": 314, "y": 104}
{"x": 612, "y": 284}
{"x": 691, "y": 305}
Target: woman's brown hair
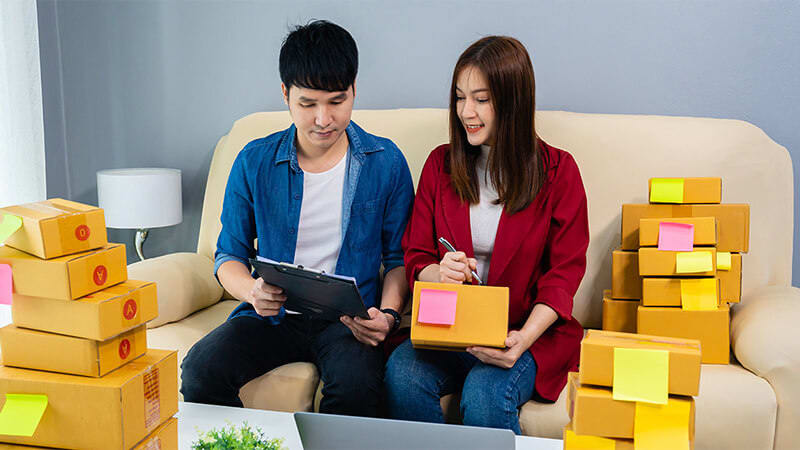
{"x": 515, "y": 163}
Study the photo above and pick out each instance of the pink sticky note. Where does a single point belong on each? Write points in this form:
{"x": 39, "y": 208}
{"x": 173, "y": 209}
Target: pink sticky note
{"x": 5, "y": 284}
{"x": 437, "y": 307}
{"x": 677, "y": 237}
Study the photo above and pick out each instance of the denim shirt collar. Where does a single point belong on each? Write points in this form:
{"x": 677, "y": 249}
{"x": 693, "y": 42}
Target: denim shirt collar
{"x": 361, "y": 143}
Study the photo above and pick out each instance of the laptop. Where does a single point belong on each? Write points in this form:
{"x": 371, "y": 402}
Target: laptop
{"x": 332, "y": 432}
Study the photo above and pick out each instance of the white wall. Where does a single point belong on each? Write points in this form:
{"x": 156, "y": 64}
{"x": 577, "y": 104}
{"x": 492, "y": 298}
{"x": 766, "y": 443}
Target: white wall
{"x": 22, "y": 167}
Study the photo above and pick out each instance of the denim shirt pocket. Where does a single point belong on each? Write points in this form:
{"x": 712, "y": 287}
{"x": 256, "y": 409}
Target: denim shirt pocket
{"x": 365, "y": 225}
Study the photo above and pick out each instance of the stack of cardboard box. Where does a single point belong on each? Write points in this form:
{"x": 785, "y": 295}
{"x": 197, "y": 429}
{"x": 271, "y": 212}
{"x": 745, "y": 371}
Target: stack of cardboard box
{"x": 633, "y": 391}
{"x": 76, "y": 369}
{"x": 679, "y": 265}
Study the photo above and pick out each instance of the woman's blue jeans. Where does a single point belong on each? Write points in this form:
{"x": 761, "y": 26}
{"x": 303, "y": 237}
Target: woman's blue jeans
{"x": 491, "y": 396}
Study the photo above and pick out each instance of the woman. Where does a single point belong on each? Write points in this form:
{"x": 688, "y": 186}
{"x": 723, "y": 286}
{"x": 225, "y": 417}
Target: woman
{"x": 515, "y": 207}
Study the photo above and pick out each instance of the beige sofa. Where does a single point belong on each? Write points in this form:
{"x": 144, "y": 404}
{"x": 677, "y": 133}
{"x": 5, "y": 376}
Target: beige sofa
{"x": 753, "y": 403}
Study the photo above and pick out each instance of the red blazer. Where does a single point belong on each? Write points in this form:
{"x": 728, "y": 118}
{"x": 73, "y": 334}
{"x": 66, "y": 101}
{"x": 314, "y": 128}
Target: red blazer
{"x": 539, "y": 253}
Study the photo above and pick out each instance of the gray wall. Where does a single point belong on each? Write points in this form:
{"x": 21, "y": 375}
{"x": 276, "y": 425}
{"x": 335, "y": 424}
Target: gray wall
{"x": 156, "y": 83}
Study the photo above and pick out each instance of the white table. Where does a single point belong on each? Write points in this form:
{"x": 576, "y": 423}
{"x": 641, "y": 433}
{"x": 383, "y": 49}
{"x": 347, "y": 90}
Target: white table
{"x": 194, "y": 416}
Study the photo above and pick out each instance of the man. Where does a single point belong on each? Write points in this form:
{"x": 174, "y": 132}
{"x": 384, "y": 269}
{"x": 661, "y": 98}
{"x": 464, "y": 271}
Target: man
{"x": 324, "y": 194}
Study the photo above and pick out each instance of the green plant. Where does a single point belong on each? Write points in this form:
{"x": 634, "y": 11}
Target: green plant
{"x": 231, "y": 438}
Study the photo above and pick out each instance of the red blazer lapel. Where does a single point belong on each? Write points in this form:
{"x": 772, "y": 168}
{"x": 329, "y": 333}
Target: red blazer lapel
{"x": 456, "y": 217}
{"x": 511, "y": 231}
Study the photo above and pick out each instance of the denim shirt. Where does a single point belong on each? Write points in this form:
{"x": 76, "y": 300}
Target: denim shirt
{"x": 265, "y": 191}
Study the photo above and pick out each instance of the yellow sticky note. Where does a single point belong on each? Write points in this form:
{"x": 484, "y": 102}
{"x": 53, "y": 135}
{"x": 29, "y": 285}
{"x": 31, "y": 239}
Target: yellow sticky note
{"x": 699, "y": 294}
{"x": 640, "y": 375}
{"x": 694, "y": 262}
{"x": 8, "y": 226}
{"x": 666, "y": 427}
{"x": 666, "y": 190}
{"x": 574, "y": 441}
{"x": 723, "y": 261}
{"x": 21, "y": 414}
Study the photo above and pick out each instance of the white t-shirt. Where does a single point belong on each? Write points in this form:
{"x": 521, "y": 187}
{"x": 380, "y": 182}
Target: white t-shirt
{"x": 319, "y": 233}
{"x": 484, "y": 217}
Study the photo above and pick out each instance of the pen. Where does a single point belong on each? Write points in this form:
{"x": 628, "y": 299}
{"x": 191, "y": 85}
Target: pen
{"x": 450, "y": 248}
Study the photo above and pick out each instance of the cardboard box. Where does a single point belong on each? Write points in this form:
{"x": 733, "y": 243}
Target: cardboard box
{"x": 98, "y": 316}
{"x": 730, "y": 281}
{"x": 66, "y": 277}
{"x": 593, "y": 411}
{"x": 626, "y": 283}
{"x": 33, "y": 349}
{"x": 481, "y": 318}
{"x": 164, "y": 437}
{"x": 657, "y": 263}
{"x": 57, "y": 227}
{"x": 665, "y": 291}
{"x": 619, "y": 444}
{"x": 733, "y": 221}
{"x": 711, "y": 328}
{"x": 619, "y": 315}
{"x": 697, "y": 190}
{"x": 597, "y": 358}
{"x": 705, "y": 230}
{"x": 114, "y": 412}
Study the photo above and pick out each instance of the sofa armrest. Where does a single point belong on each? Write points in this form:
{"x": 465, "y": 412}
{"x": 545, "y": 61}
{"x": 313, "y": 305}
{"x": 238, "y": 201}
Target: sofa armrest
{"x": 764, "y": 342}
{"x": 185, "y": 284}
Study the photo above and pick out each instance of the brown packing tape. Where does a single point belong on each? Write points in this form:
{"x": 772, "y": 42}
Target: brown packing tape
{"x": 152, "y": 398}
{"x": 68, "y": 243}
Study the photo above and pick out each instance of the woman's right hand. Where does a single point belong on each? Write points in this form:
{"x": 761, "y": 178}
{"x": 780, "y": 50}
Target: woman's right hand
{"x": 266, "y": 298}
{"x": 456, "y": 268}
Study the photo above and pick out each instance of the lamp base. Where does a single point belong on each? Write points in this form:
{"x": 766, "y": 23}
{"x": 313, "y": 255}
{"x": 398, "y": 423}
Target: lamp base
{"x": 141, "y": 236}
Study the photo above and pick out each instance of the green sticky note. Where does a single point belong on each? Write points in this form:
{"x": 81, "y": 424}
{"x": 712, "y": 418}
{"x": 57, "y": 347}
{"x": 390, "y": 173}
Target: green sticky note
{"x": 666, "y": 190}
{"x": 21, "y": 414}
{"x": 640, "y": 375}
{"x": 694, "y": 262}
{"x": 9, "y": 226}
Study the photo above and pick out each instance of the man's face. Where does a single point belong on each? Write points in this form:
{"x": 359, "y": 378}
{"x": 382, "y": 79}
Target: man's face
{"x": 321, "y": 117}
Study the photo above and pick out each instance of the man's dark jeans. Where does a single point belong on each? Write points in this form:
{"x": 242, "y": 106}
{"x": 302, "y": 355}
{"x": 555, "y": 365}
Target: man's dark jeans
{"x": 244, "y": 348}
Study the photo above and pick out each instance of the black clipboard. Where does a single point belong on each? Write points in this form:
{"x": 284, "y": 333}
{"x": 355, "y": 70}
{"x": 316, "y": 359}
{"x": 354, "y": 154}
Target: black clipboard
{"x": 311, "y": 292}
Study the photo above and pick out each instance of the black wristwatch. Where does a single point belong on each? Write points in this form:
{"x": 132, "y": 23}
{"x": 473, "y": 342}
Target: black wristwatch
{"x": 394, "y": 315}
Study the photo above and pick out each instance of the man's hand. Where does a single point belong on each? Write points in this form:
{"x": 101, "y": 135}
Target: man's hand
{"x": 266, "y": 298}
{"x": 371, "y": 332}
{"x": 455, "y": 268}
{"x": 516, "y": 345}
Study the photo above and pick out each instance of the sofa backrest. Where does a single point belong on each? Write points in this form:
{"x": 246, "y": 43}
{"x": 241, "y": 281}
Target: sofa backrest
{"x": 617, "y": 154}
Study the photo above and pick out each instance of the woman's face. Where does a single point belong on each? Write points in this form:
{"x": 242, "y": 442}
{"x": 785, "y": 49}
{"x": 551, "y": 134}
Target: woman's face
{"x": 474, "y": 106}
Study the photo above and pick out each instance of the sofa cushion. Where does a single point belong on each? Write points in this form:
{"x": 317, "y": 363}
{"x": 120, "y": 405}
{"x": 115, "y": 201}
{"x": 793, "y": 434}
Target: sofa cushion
{"x": 181, "y": 336}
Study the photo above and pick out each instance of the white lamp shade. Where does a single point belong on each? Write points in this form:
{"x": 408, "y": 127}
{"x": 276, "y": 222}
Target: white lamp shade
{"x": 140, "y": 198}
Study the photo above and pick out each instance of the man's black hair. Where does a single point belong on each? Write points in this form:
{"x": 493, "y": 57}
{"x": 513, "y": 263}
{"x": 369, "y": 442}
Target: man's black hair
{"x": 320, "y": 55}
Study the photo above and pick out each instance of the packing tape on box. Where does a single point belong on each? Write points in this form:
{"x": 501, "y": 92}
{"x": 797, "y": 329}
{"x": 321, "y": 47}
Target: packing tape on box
{"x": 49, "y": 208}
{"x": 154, "y": 444}
{"x": 130, "y": 307}
{"x": 77, "y": 239}
{"x": 152, "y": 399}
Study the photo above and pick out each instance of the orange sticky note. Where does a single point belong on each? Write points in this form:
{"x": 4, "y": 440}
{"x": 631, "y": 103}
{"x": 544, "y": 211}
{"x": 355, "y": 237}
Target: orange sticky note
{"x": 574, "y": 441}
{"x": 694, "y": 262}
{"x": 437, "y": 307}
{"x": 699, "y": 294}
{"x": 640, "y": 375}
{"x": 658, "y": 427}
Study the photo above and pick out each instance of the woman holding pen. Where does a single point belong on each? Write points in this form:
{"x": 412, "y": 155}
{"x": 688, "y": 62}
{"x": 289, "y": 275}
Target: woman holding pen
{"x": 515, "y": 208}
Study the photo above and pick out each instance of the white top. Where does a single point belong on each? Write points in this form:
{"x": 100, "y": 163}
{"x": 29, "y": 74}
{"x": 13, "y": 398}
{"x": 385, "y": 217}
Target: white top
{"x": 484, "y": 217}
{"x": 319, "y": 234}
